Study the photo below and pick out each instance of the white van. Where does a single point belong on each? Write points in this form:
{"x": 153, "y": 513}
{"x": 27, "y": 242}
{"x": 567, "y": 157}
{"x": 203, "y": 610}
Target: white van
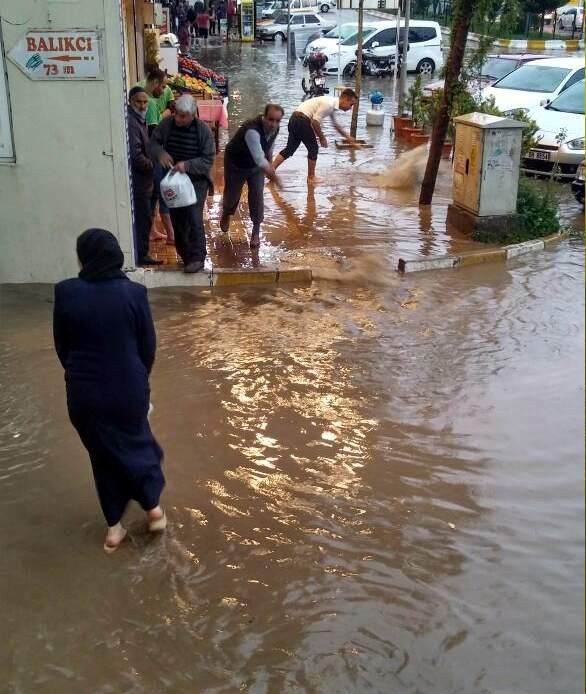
{"x": 425, "y": 47}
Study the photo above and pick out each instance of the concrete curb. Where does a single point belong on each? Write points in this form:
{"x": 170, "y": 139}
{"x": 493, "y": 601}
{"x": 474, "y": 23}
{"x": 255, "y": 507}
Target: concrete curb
{"x": 220, "y": 277}
{"x": 478, "y": 257}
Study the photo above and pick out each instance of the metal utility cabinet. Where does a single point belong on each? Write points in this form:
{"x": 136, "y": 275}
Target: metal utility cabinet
{"x": 486, "y": 164}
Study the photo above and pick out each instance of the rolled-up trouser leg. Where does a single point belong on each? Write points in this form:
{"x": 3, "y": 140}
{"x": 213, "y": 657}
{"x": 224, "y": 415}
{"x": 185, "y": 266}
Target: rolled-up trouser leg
{"x": 256, "y": 187}
{"x": 234, "y": 179}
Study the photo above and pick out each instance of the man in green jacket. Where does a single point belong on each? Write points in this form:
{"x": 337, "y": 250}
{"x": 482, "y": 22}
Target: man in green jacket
{"x": 161, "y": 100}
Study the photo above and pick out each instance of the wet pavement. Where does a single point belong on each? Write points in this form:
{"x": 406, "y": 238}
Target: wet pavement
{"x": 375, "y": 483}
{"x": 347, "y": 213}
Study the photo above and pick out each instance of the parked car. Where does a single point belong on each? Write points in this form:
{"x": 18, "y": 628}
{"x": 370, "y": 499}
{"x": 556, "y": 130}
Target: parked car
{"x": 331, "y": 39}
{"x": 302, "y": 23}
{"x": 425, "y": 47}
{"x": 495, "y": 67}
{"x": 561, "y": 134}
{"x": 327, "y": 5}
{"x": 535, "y": 83}
{"x": 571, "y": 18}
{"x": 272, "y": 9}
{"x": 578, "y": 184}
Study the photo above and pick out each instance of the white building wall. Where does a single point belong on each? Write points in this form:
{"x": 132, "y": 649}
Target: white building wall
{"x": 61, "y": 182}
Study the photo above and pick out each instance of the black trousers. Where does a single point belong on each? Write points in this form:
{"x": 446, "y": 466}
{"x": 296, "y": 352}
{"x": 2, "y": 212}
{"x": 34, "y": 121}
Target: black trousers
{"x": 234, "y": 180}
{"x": 300, "y": 130}
{"x": 190, "y": 238}
{"x": 143, "y": 219}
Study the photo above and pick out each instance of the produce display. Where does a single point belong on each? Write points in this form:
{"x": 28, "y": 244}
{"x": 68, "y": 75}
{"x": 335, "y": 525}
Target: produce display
{"x": 192, "y": 68}
{"x": 191, "y": 84}
{"x": 151, "y": 47}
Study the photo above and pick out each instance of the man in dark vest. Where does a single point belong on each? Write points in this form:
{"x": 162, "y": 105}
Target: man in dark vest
{"x": 184, "y": 143}
{"x": 247, "y": 159}
{"x": 141, "y": 171}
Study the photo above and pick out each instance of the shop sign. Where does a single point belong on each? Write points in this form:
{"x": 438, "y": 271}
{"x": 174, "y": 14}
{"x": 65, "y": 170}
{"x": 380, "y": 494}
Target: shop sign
{"x": 73, "y": 54}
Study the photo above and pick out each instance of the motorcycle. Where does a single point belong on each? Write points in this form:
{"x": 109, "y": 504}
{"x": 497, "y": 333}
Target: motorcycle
{"x": 316, "y": 86}
{"x": 374, "y": 65}
{"x": 377, "y": 65}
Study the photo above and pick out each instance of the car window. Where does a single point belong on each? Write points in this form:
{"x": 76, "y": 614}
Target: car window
{"x": 298, "y": 19}
{"x": 386, "y": 37}
{"x": 534, "y": 78}
{"x": 311, "y": 19}
{"x": 569, "y": 101}
{"x": 353, "y": 39}
{"x": 498, "y": 67}
{"x": 576, "y": 77}
{"x": 281, "y": 18}
{"x": 419, "y": 34}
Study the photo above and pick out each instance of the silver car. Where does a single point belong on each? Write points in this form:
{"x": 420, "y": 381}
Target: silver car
{"x": 304, "y": 24}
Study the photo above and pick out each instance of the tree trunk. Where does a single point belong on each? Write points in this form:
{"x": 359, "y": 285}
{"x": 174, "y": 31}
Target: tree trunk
{"x": 358, "y": 77}
{"x": 462, "y": 17}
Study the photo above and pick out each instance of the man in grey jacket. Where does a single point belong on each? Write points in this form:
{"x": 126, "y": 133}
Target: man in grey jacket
{"x": 184, "y": 143}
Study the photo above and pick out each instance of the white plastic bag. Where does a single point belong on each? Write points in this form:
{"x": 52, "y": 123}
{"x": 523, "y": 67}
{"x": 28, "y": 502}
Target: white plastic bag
{"x": 177, "y": 190}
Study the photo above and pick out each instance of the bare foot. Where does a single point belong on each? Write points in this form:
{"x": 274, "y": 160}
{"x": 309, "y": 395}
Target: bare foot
{"x": 157, "y": 519}
{"x": 114, "y": 537}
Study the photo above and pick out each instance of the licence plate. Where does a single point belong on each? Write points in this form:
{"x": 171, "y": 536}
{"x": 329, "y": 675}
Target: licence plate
{"x": 538, "y": 154}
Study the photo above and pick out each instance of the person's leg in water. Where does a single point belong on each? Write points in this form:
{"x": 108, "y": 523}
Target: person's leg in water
{"x": 233, "y": 182}
{"x": 256, "y": 185}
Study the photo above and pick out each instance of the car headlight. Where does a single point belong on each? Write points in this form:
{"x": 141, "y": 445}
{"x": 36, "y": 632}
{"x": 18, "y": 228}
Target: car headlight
{"x": 511, "y": 113}
{"x": 578, "y": 143}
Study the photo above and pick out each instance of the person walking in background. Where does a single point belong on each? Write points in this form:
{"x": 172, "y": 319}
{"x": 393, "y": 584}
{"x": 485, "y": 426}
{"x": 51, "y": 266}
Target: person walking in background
{"x": 203, "y": 25}
{"x": 305, "y": 126}
{"x": 184, "y": 143}
{"x": 161, "y": 103}
{"x": 105, "y": 340}
{"x": 141, "y": 173}
{"x": 231, "y": 13}
{"x": 212, "y": 12}
{"x": 247, "y": 159}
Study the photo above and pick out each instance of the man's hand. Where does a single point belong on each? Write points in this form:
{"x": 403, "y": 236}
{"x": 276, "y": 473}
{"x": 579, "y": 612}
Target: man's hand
{"x": 179, "y": 166}
{"x": 350, "y": 140}
{"x": 166, "y": 160}
{"x": 271, "y": 174}
{"x": 166, "y": 113}
{"x": 322, "y": 140}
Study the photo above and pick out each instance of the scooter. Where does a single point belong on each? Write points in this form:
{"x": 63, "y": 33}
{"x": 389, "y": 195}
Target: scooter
{"x": 316, "y": 86}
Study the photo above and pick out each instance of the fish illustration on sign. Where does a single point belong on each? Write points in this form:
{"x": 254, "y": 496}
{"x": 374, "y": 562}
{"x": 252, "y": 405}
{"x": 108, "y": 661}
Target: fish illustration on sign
{"x": 34, "y": 62}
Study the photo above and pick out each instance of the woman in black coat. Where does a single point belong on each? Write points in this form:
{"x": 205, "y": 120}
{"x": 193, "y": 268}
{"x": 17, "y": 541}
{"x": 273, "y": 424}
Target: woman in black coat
{"x": 105, "y": 339}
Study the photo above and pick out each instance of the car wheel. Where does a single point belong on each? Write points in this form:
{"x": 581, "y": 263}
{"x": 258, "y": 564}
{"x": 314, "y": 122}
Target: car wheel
{"x": 324, "y": 8}
{"x": 349, "y": 70}
{"x": 280, "y": 35}
{"x": 425, "y": 66}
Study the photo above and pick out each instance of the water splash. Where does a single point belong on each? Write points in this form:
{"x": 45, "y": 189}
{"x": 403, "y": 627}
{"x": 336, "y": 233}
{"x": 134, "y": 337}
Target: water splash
{"x": 404, "y": 173}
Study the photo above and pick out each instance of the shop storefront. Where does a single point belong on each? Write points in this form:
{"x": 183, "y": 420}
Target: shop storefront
{"x": 63, "y": 152}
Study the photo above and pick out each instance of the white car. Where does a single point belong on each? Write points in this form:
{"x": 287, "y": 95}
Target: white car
{"x": 561, "y": 134}
{"x": 425, "y": 47}
{"x": 330, "y": 40}
{"x": 535, "y": 83}
{"x": 304, "y": 24}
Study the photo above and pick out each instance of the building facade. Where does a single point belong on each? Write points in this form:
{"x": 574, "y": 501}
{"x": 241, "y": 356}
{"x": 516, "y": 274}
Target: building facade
{"x": 63, "y": 145}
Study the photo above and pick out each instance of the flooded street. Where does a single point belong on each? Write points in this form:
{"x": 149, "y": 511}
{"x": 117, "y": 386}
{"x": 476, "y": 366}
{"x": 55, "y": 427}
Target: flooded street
{"x": 375, "y": 483}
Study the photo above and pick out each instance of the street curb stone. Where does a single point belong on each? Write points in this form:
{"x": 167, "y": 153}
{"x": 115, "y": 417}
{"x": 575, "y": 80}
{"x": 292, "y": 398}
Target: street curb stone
{"x": 220, "y": 277}
{"x": 478, "y": 257}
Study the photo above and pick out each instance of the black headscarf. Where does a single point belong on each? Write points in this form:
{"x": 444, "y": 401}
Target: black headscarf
{"x": 100, "y": 255}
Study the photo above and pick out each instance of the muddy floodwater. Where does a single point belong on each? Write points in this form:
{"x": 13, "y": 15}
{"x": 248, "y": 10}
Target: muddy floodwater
{"x": 375, "y": 483}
